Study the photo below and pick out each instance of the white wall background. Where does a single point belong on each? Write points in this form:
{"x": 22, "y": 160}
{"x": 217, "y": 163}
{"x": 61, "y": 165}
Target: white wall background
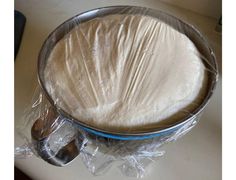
{"x": 210, "y": 8}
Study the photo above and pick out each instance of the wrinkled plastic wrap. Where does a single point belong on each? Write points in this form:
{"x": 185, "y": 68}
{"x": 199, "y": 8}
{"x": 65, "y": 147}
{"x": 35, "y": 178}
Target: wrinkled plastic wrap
{"x": 97, "y": 153}
{"x": 119, "y": 70}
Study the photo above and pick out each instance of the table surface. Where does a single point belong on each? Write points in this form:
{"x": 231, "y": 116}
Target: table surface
{"x": 195, "y": 156}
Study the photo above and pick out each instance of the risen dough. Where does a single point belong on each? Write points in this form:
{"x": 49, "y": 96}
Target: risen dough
{"x": 125, "y": 72}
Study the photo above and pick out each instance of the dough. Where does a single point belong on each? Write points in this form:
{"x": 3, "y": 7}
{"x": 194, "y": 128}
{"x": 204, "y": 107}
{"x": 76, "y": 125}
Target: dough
{"x": 126, "y": 73}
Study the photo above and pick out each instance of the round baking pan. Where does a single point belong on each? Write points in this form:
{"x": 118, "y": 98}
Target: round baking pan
{"x": 192, "y": 33}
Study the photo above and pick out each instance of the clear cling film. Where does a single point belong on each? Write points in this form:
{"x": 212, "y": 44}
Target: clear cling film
{"x": 59, "y": 141}
{"x": 115, "y": 85}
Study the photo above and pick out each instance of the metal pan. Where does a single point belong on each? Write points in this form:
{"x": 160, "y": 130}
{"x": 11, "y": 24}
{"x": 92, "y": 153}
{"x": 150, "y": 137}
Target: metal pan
{"x": 192, "y": 33}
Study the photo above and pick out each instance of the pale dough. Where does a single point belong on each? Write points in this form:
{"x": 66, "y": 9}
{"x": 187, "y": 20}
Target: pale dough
{"x": 126, "y": 72}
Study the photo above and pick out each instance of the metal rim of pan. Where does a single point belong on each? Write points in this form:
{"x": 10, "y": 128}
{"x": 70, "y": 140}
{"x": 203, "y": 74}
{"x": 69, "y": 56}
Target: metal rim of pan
{"x": 176, "y": 23}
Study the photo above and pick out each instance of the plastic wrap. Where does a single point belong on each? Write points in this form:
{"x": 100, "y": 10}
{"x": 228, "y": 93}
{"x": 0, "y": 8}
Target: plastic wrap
{"x": 97, "y": 153}
{"x": 116, "y": 84}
